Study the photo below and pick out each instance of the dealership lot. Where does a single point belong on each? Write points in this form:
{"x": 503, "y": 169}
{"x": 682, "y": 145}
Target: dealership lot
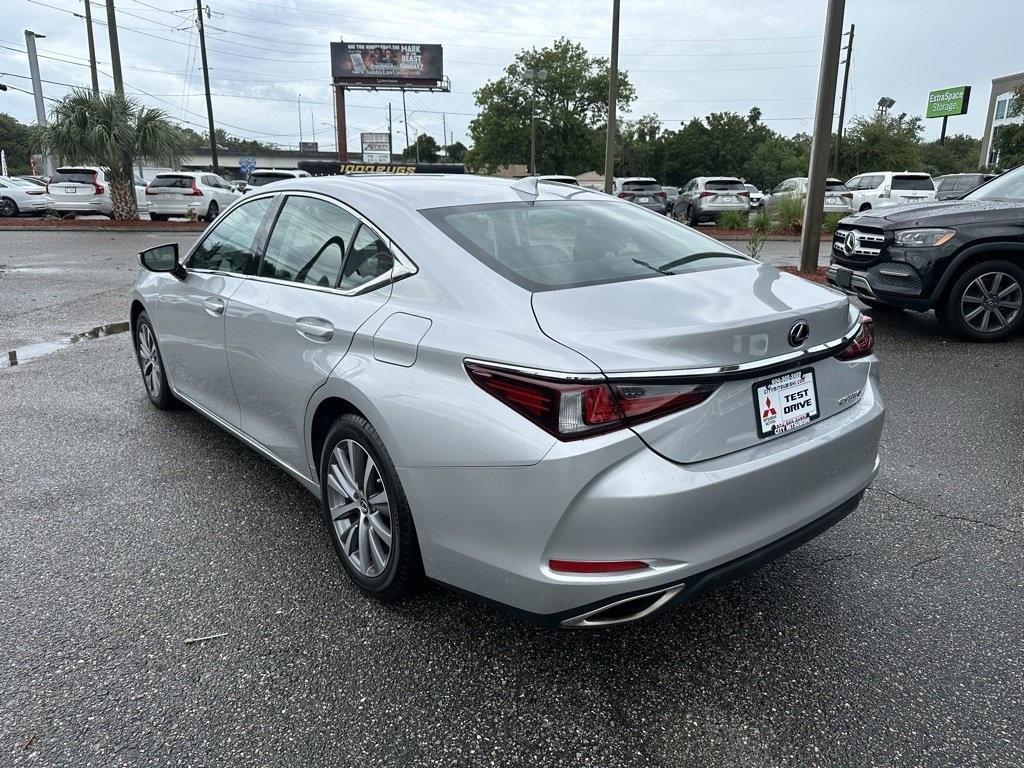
{"x": 894, "y": 639}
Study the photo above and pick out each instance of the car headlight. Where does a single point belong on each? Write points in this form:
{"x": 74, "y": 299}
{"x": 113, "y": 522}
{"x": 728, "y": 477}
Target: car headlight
{"x": 923, "y": 238}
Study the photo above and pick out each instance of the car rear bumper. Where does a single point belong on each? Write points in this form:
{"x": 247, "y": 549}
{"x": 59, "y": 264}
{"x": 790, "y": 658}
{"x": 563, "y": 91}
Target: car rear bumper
{"x": 176, "y": 207}
{"x": 100, "y": 206}
{"x": 492, "y": 531}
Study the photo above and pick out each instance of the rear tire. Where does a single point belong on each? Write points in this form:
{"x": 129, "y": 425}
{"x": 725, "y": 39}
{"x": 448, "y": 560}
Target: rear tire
{"x": 158, "y": 217}
{"x": 367, "y": 513}
{"x": 865, "y": 207}
{"x": 151, "y": 364}
{"x": 8, "y": 207}
{"x": 985, "y": 302}
{"x": 691, "y": 217}
{"x": 212, "y": 210}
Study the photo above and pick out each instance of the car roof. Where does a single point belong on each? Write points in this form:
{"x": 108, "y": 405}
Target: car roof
{"x": 718, "y": 178}
{"x": 185, "y": 173}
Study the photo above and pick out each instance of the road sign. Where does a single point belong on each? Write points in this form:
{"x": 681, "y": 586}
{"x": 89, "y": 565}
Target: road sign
{"x": 948, "y": 102}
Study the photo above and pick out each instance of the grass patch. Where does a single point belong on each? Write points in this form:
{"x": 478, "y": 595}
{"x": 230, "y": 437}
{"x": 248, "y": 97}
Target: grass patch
{"x": 732, "y": 220}
{"x": 831, "y": 221}
{"x": 790, "y": 213}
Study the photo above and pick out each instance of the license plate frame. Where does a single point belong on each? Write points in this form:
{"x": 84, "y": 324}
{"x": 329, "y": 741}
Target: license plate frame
{"x": 643, "y": 200}
{"x": 787, "y": 383}
{"x": 844, "y": 277}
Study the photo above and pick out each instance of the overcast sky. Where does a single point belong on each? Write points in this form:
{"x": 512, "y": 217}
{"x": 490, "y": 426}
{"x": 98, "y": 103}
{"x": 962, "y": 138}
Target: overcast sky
{"x": 686, "y": 57}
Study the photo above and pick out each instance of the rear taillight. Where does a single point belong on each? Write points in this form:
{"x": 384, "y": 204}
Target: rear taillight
{"x": 662, "y": 195}
{"x": 573, "y": 410}
{"x": 626, "y": 195}
{"x": 34, "y": 192}
{"x": 742, "y": 194}
{"x": 97, "y": 189}
{"x": 863, "y": 343}
{"x": 597, "y": 566}
{"x": 706, "y": 194}
{"x": 847, "y": 195}
{"x": 150, "y": 191}
{"x": 196, "y": 191}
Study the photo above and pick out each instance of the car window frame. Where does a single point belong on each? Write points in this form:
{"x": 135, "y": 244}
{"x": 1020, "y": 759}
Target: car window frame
{"x": 402, "y": 266}
{"x": 257, "y": 239}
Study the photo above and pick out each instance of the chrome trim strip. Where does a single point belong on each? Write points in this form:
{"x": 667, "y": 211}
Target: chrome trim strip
{"x": 751, "y": 368}
{"x": 584, "y": 620}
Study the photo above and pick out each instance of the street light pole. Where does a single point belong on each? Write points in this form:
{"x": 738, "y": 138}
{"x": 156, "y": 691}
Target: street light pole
{"x": 534, "y": 76}
{"x": 613, "y": 94}
{"x": 37, "y": 88}
{"x": 810, "y": 240}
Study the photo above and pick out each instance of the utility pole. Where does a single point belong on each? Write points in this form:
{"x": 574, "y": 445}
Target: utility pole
{"x": 206, "y": 82}
{"x": 391, "y": 132}
{"x": 299, "y": 103}
{"x": 842, "y": 101}
{"x": 535, "y": 76}
{"x": 37, "y": 88}
{"x": 613, "y": 94}
{"x": 115, "y": 49}
{"x": 444, "y": 133}
{"x": 92, "y": 49}
{"x": 810, "y": 239}
{"x": 405, "y": 119}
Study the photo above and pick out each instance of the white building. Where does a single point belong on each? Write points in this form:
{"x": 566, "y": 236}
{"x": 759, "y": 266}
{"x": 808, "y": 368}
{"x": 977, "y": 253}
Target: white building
{"x": 1000, "y": 113}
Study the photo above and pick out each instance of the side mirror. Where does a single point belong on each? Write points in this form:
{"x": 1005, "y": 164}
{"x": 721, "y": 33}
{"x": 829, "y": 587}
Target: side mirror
{"x": 162, "y": 258}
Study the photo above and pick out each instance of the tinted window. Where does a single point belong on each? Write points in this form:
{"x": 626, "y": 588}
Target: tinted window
{"x": 369, "y": 258}
{"x": 718, "y": 184}
{"x": 259, "y": 179}
{"x": 913, "y": 183}
{"x": 174, "y": 182}
{"x": 641, "y": 186}
{"x": 228, "y": 246}
{"x": 308, "y": 242}
{"x": 834, "y": 185}
{"x": 72, "y": 176}
{"x": 945, "y": 183}
{"x": 546, "y": 245}
{"x": 967, "y": 181}
{"x": 1009, "y": 186}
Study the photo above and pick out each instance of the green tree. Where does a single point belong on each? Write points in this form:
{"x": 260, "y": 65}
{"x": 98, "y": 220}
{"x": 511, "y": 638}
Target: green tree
{"x": 1009, "y": 142}
{"x": 112, "y": 131}
{"x": 571, "y": 108}
{"x": 16, "y": 141}
{"x": 778, "y": 158}
{"x": 882, "y": 142}
{"x": 429, "y": 149}
{"x": 456, "y": 152}
{"x": 959, "y": 154}
{"x": 640, "y": 150}
{"x": 723, "y": 143}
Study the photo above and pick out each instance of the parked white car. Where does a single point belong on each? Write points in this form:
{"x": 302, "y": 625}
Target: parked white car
{"x": 873, "y": 190}
{"x": 262, "y": 176}
{"x": 18, "y": 196}
{"x": 838, "y": 199}
{"x": 190, "y": 194}
{"x": 85, "y": 190}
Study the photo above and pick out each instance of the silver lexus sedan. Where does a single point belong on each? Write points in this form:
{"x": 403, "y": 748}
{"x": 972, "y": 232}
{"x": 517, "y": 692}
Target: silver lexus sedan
{"x": 538, "y": 394}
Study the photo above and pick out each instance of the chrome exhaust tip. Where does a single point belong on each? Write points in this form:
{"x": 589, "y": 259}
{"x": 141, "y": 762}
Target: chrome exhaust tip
{"x": 624, "y": 611}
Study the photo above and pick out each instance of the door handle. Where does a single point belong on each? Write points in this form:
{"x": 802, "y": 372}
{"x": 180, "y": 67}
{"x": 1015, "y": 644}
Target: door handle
{"x": 314, "y": 328}
{"x": 214, "y": 306}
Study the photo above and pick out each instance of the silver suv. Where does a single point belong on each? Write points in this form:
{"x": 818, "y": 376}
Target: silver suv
{"x": 641, "y": 190}
{"x": 707, "y": 197}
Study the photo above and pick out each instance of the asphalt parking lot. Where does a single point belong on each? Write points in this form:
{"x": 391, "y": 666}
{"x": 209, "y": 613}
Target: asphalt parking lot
{"x": 893, "y": 640}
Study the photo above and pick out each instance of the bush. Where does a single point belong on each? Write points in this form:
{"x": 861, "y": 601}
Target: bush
{"x": 761, "y": 222}
{"x": 790, "y": 213}
{"x": 831, "y": 221}
{"x": 732, "y": 220}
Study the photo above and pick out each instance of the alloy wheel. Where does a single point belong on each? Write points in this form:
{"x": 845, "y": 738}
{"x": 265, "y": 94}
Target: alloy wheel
{"x": 8, "y": 208}
{"x": 149, "y": 359}
{"x": 359, "y": 508}
{"x": 991, "y": 302}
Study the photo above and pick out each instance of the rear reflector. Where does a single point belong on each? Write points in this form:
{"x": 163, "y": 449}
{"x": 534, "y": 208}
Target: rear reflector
{"x": 863, "y": 343}
{"x": 596, "y": 566}
{"x": 573, "y": 410}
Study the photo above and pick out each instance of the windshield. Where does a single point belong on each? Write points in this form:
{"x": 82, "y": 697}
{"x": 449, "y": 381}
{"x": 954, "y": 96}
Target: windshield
{"x": 564, "y": 244}
{"x": 259, "y": 179}
{"x": 73, "y": 176}
{"x": 1009, "y": 186}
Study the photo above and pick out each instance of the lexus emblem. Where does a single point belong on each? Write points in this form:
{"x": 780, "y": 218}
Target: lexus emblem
{"x": 850, "y": 243}
{"x": 798, "y": 333}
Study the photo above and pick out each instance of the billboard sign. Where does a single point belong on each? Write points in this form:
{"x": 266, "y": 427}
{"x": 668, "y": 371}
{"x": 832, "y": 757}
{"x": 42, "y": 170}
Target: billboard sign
{"x": 375, "y": 147}
{"x": 948, "y": 102}
{"x": 412, "y": 64}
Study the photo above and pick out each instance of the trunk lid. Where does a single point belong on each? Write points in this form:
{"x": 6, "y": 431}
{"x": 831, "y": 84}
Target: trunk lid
{"x": 73, "y": 185}
{"x": 706, "y": 319}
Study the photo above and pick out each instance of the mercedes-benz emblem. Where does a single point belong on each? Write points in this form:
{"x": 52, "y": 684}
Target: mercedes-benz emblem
{"x": 850, "y": 243}
{"x": 798, "y": 333}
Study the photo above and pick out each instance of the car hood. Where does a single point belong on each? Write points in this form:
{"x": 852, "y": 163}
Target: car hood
{"x": 699, "y": 319}
{"x": 940, "y": 213}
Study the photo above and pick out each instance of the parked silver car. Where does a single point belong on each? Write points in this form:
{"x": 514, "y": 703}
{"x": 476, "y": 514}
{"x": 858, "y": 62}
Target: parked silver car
{"x": 642, "y": 190}
{"x": 706, "y": 198}
{"x": 533, "y": 393}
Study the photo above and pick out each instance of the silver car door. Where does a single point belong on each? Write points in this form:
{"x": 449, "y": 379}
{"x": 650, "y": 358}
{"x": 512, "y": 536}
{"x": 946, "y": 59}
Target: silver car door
{"x": 321, "y": 276}
{"x": 190, "y": 317}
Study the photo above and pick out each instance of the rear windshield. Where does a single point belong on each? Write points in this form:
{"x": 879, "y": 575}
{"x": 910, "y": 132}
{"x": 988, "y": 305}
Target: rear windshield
{"x": 564, "y": 244}
{"x": 913, "y": 182}
{"x": 179, "y": 182}
{"x": 641, "y": 186}
{"x": 735, "y": 184}
{"x": 72, "y": 176}
{"x": 833, "y": 185}
{"x": 259, "y": 179}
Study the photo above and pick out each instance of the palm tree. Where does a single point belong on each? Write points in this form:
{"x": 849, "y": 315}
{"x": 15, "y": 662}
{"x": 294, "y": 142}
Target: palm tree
{"x": 112, "y": 131}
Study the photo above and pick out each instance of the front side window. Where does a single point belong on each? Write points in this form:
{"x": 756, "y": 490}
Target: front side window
{"x": 308, "y": 242}
{"x": 229, "y": 245}
{"x": 564, "y": 244}
{"x": 368, "y": 259}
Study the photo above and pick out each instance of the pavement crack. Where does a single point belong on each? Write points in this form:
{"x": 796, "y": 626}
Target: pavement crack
{"x": 925, "y": 561}
{"x": 945, "y": 515}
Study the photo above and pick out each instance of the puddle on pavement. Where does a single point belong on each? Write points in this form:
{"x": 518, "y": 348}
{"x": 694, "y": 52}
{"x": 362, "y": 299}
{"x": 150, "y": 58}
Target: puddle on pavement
{"x": 29, "y": 352}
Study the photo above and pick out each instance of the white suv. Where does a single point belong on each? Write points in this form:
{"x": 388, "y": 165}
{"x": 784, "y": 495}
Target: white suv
{"x": 262, "y": 176}
{"x": 192, "y": 194}
{"x": 873, "y": 190}
{"x": 85, "y": 190}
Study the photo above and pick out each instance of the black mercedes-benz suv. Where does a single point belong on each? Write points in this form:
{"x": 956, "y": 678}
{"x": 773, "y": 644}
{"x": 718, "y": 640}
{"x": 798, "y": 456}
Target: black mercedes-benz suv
{"x": 964, "y": 258}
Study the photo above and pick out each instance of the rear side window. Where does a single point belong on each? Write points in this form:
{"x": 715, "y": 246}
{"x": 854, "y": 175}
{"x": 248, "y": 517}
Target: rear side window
{"x": 917, "y": 183}
{"x": 966, "y": 182}
{"x": 259, "y": 179}
{"x": 369, "y": 258}
{"x": 725, "y": 184}
{"x": 641, "y": 186}
{"x": 870, "y": 182}
{"x": 229, "y": 245}
{"x": 308, "y": 242}
{"x": 173, "y": 182}
{"x": 946, "y": 183}
{"x": 564, "y": 244}
{"x": 72, "y": 176}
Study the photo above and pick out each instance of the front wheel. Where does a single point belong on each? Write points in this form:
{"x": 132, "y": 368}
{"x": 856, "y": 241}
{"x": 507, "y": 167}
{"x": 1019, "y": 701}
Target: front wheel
{"x": 152, "y": 365}
{"x": 158, "y": 217}
{"x": 985, "y": 302}
{"x": 212, "y": 210}
{"x": 367, "y": 512}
